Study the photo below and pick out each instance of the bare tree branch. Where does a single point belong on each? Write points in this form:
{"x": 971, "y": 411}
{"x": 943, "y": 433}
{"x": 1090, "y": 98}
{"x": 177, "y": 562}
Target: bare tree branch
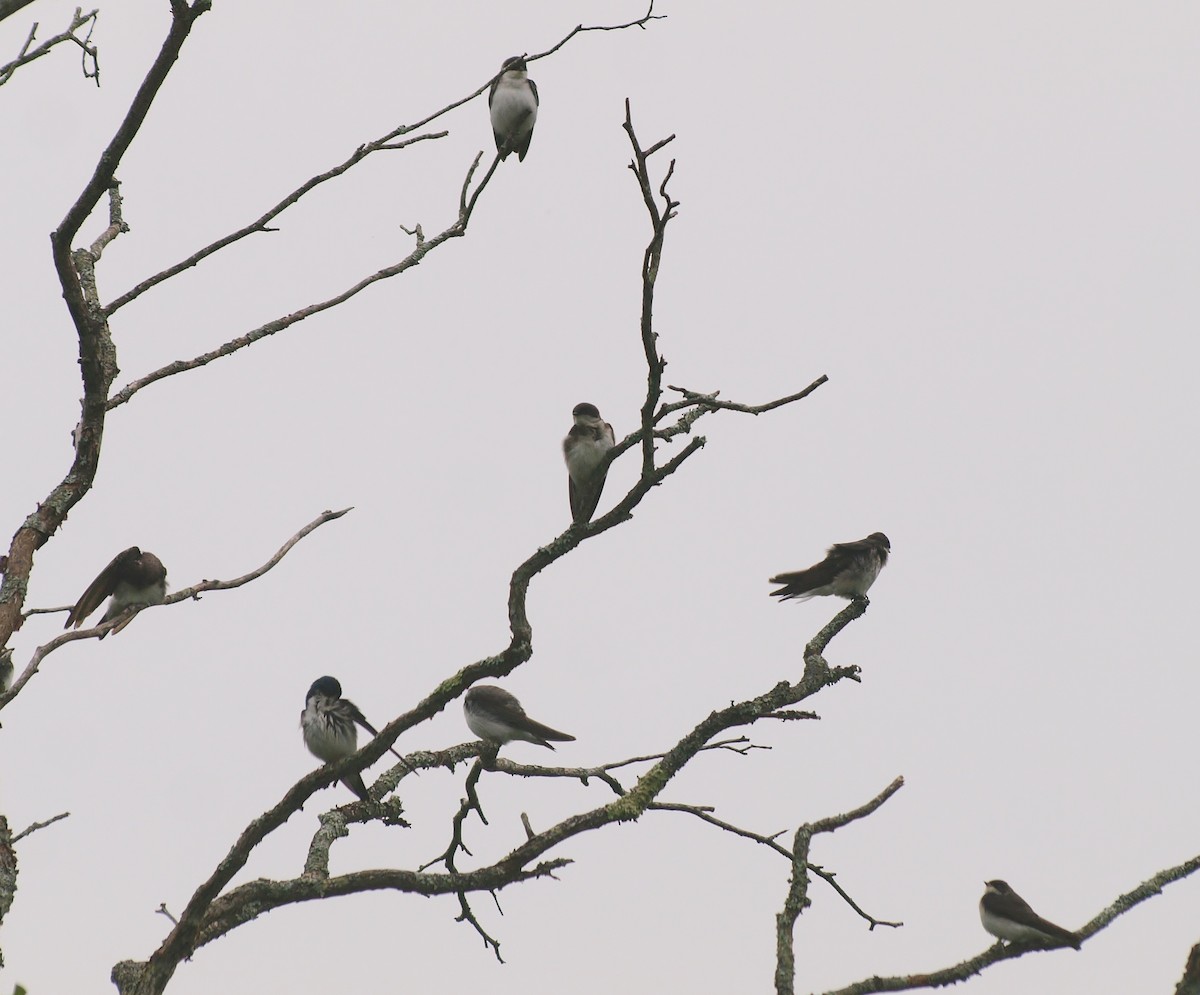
{"x": 97, "y": 354}
{"x": 797, "y": 895}
{"x": 1007, "y": 951}
{"x": 709, "y": 401}
{"x": 652, "y": 258}
{"x": 262, "y": 223}
{"x": 8, "y": 872}
{"x": 26, "y": 56}
{"x": 211, "y": 912}
{"x": 34, "y": 827}
{"x": 188, "y": 593}
{"x": 387, "y": 141}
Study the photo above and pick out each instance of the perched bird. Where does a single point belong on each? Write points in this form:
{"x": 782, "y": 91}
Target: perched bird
{"x": 495, "y": 715}
{"x": 584, "y": 449}
{"x": 1007, "y": 916}
{"x": 133, "y": 579}
{"x": 328, "y": 725}
{"x": 513, "y": 102}
{"x": 848, "y": 570}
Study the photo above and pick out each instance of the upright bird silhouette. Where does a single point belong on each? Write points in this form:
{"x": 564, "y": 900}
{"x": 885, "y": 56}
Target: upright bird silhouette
{"x": 513, "y": 103}
{"x": 584, "y": 449}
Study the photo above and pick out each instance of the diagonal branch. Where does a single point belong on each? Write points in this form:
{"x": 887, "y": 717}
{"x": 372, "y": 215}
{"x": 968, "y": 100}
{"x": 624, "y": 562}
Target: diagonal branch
{"x": 384, "y": 142}
{"x": 1007, "y": 951}
{"x": 97, "y": 355}
{"x": 34, "y": 827}
{"x": 263, "y": 222}
{"x": 193, "y": 592}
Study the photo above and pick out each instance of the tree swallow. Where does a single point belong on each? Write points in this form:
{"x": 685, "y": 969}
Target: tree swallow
{"x": 848, "y": 570}
{"x": 513, "y": 102}
{"x": 328, "y": 725}
{"x": 1007, "y": 916}
{"x": 132, "y": 579}
{"x": 496, "y": 716}
{"x": 583, "y": 449}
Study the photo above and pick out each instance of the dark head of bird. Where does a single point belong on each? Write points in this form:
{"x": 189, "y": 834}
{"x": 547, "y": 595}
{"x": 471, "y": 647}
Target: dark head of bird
{"x": 327, "y": 686}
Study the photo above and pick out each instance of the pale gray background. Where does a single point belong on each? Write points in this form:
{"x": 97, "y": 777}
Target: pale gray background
{"x": 979, "y": 220}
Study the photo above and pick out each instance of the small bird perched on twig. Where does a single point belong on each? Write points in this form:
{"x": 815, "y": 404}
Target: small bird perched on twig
{"x": 513, "y": 102}
{"x": 328, "y": 724}
{"x": 848, "y": 570}
{"x": 1007, "y": 916}
{"x": 496, "y": 716}
{"x": 133, "y": 579}
{"x": 584, "y": 448}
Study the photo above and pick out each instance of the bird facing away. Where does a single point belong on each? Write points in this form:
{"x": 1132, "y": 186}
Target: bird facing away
{"x": 1007, "y": 916}
{"x": 132, "y": 579}
{"x": 848, "y": 570}
{"x": 584, "y": 449}
{"x": 513, "y": 102}
{"x": 496, "y": 716}
{"x": 328, "y": 725}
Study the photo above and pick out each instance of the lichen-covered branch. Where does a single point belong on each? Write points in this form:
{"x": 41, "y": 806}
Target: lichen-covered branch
{"x": 1007, "y": 951}
{"x": 8, "y": 872}
{"x": 1189, "y": 984}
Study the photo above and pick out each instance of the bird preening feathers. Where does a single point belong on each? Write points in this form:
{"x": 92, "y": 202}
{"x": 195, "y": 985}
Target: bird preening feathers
{"x": 496, "y": 716}
{"x": 584, "y": 448}
{"x": 328, "y": 724}
{"x": 133, "y": 579}
{"x": 848, "y": 571}
{"x": 1007, "y": 916}
{"x": 513, "y": 103}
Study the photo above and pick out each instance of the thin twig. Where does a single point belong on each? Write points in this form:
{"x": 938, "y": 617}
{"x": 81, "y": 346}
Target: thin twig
{"x": 387, "y": 141}
{"x": 78, "y": 20}
{"x": 39, "y": 825}
{"x": 187, "y": 593}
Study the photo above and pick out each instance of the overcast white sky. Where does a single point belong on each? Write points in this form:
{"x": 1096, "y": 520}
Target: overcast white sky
{"x": 979, "y": 220}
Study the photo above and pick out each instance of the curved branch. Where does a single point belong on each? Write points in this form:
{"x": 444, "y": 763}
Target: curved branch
{"x": 194, "y": 592}
{"x": 97, "y": 355}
